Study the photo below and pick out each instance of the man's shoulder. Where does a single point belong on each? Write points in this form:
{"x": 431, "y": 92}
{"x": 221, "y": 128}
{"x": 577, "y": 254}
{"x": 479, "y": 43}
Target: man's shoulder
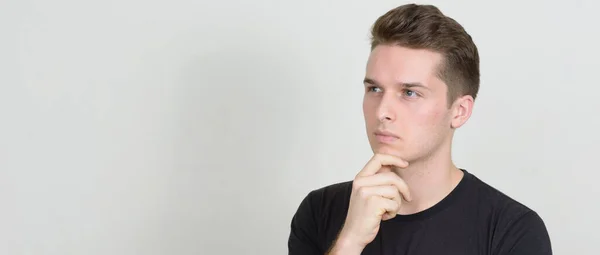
{"x": 322, "y": 212}
{"x": 327, "y": 203}
{"x": 319, "y": 218}
{"x": 496, "y": 199}
{"x": 510, "y": 221}
{"x": 333, "y": 190}
{"x": 331, "y": 195}
{"x": 506, "y": 213}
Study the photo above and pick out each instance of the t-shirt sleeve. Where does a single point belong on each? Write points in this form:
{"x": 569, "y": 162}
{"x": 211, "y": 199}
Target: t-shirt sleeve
{"x": 303, "y": 238}
{"x": 527, "y": 236}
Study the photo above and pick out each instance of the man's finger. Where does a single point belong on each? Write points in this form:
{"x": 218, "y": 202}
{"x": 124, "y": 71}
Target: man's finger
{"x": 387, "y": 191}
{"x": 389, "y": 178}
{"x": 383, "y": 206}
{"x": 380, "y": 160}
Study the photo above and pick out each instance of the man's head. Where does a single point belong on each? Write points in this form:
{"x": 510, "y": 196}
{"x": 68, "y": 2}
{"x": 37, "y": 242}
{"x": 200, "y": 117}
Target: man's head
{"x": 421, "y": 81}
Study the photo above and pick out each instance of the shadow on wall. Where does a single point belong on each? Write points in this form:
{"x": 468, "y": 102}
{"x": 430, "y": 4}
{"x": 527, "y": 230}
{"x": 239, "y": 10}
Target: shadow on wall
{"x": 238, "y": 109}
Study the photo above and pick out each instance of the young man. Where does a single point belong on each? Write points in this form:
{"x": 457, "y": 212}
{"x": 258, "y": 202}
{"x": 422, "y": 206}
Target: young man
{"x": 422, "y": 78}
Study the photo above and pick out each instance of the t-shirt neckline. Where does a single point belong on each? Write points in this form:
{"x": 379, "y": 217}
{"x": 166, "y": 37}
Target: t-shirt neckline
{"x": 445, "y": 203}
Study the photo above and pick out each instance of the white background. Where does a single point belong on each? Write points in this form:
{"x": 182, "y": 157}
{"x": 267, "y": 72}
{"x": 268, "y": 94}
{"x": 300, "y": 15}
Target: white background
{"x": 196, "y": 127}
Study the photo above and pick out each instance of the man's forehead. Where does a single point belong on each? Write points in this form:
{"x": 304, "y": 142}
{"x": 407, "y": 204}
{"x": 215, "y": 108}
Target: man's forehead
{"x": 399, "y": 64}
{"x": 400, "y": 57}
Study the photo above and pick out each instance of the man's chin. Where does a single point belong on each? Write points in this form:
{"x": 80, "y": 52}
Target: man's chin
{"x": 389, "y": 151}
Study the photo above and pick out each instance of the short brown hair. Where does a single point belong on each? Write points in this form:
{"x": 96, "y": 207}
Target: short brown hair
{"x": 426, "y": 27}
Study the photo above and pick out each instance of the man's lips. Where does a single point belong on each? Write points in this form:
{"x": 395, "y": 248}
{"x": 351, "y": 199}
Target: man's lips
{"x": 386, "y": 136}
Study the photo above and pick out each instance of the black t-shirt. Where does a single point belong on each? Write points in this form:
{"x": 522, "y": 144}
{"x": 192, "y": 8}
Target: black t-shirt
{"x": 474, "y": 218}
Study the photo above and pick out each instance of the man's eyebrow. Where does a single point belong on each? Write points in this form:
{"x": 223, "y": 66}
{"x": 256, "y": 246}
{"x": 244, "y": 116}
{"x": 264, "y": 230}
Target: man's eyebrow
{"x": 370, "y": 81}
{"x": 401, "y": 84}
{"x": 412, "y": 85}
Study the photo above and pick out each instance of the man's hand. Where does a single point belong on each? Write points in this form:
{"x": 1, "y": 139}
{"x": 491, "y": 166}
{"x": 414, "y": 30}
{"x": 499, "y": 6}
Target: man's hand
{"x": 375, "y": 197}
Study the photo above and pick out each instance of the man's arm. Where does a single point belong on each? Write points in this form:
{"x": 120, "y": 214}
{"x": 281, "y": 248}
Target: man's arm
{"x": 526, "y": 236}
{"x": 303, "y": 238}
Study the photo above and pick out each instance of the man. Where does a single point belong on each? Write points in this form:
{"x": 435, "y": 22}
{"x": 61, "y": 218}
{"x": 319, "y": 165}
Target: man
{"x": 422, "y": 78}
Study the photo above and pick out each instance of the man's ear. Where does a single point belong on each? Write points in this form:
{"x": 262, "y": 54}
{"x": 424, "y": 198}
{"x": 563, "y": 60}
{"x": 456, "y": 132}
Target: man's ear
{"x": 461, "y": 111}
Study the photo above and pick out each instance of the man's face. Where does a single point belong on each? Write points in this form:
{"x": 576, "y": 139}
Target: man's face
{"x": 405, "y": 98}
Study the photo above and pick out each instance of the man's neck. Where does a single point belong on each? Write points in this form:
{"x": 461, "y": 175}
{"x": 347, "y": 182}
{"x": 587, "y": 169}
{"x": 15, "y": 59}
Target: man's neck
{"x": 429, "y": 181}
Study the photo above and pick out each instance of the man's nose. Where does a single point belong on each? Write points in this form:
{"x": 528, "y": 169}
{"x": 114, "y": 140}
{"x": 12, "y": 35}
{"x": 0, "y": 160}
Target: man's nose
{"x": 385, "y": 110}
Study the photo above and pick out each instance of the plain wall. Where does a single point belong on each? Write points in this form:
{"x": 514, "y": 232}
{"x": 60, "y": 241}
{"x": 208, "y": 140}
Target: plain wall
{"x": 197, "y": 127}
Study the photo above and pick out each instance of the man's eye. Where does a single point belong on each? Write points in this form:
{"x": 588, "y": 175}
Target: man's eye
{"x": 374, "y": 89}
{"x": 410, "y": 93}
